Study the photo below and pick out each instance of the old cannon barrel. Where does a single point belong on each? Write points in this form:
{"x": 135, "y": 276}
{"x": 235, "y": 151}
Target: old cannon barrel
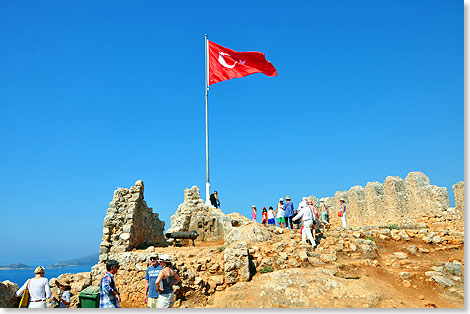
{"x": 182, "y": 235}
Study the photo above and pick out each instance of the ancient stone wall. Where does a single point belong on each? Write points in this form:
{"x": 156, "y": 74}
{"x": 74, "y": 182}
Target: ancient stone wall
{"x": 130, "y": 223}
{"x": 413, "y": 201}
{"x": 357, "y": 203}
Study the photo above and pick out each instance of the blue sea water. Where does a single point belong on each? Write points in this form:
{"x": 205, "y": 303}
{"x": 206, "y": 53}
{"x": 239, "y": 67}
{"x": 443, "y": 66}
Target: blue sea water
{"x": 19, "y": 276}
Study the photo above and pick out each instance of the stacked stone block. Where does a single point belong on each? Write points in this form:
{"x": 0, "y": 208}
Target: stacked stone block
{"x": 130, "y": 223}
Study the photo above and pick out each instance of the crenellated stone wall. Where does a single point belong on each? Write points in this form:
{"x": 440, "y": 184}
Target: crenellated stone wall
{"x": 130, "y": 223}
{"x": 413, "y": 201}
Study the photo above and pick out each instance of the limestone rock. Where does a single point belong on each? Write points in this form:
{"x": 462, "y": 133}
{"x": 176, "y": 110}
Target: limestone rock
{"x": 357, "y": 208}
{"x": 454, "y": 268}
{"x": 210, "y": 223}
{"x": 395, "y": 200}
{"x": 424, "y": 199}
{"x": 237, "y": 263}
{"x": 7, "y": 294}
{"x": 374, "y": 194}
{"x": 297, "y": 287}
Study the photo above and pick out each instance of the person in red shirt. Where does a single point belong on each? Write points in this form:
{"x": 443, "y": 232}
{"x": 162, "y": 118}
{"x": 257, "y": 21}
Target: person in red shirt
{"x": 264, "y": 215}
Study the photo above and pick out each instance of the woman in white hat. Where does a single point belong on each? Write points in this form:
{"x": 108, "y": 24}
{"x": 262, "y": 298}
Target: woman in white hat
{"x": 165, "y": 281}
{"x": 38, "y": 287}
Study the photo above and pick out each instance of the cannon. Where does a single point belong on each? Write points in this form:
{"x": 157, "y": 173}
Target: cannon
{"x": 183, "y": 235}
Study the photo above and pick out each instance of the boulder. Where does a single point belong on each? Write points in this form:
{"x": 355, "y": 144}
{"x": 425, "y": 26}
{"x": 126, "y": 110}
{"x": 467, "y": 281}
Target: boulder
{"x": 7, "y": 294}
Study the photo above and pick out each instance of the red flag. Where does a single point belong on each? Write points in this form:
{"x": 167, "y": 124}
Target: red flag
{"x": 226, "y": 64}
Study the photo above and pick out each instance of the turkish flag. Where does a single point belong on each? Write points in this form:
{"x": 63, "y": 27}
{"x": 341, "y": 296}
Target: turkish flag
{"x": 226, "y": 64}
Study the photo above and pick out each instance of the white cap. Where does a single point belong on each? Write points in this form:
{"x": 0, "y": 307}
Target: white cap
{"x": 281, "y": 200}
{"x": 304, "y": 198}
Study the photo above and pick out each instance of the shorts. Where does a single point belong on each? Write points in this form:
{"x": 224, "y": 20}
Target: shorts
{"x": 166, "y": 300}
{"x": 281, "y": 219}
{"x": 152, "y": 303}
{"x": 271, "y": 221}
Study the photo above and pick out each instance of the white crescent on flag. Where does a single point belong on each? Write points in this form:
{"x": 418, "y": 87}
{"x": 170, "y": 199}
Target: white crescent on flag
{"x": 222, "y": 60}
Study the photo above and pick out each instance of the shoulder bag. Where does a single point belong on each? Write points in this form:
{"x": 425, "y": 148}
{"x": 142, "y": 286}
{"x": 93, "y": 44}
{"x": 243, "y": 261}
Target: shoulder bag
{"x": 25, "y": 297}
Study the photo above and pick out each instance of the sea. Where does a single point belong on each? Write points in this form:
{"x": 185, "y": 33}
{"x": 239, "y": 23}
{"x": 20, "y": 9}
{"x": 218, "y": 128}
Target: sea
{"x": 19, "y": 276}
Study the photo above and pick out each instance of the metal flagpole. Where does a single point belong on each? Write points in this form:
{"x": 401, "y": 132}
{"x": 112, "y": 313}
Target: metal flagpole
{"x": 207, "y": 122}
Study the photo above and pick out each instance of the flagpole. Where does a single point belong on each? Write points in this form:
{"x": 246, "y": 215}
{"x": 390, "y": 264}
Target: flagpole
{"x": 207, "y": 121}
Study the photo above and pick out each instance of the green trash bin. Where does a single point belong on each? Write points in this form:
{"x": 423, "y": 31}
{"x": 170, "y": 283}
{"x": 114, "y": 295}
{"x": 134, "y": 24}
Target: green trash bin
{"x": 90, "y": 297}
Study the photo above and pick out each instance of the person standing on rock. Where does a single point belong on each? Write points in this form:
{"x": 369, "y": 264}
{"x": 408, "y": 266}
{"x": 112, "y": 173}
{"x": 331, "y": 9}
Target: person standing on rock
{"x": 308, "y": 217}
{"x": 271, "y": 215}
{"x": 167, "y": 278}
{"x": 150, "y": 277}
{"x": 215, "y": 199}
{"x": 288, "y": 212}
{"x": 280, "y": 213}
{"x": 109, "y": 294}
{"x": 264, "y": 217}
{"x": 325, "y": 214}
{"x": 342, "y": 210}
{"x": 253, "y": 214}
{"x": 39, "y": 289}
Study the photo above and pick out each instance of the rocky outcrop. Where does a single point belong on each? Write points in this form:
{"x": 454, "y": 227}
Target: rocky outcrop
{"x": 299, "y": 288}
{"x": 211, "y": 223}
{"x": 78, "y": 282}
{"x": 7, "y": 294}
{"x": 130, "y": 223}
{"x": 237, "y": 263}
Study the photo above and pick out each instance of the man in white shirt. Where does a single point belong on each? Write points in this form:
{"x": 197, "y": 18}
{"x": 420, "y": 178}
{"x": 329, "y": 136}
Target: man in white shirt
{"x": 308, "y": 218}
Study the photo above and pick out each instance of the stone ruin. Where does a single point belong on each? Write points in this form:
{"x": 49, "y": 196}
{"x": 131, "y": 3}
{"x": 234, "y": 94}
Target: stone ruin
{"x": 130, "y": 224}
{"x": 413, "y": 201}
{"x": 211, "y": 223}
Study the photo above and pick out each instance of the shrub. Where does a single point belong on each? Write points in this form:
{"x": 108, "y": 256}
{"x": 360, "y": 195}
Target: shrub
{"x": 221, "y": 248}
{"x": 370, "y": 238}
{"x": 266, "y": 269}
{"x": 393, "y": 227}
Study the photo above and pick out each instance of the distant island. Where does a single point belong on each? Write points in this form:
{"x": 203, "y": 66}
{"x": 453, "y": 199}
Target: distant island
{"x": 15, "y": 266}
{"x": 87, "y": 260}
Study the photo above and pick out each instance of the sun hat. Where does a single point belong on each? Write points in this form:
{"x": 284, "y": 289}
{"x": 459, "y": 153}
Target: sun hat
{"x": 63, "y": 282}
{"x": 40, "y": 270}
{"x": 322, "y": 200}
{"x": 165, "y": 258}
{"x": 253, "y": 206}
{"x": 341, "y": 199}
{"x": 281, "y": 200}
{"x": 287, "y": 197}
{"x": 304, "y": 198}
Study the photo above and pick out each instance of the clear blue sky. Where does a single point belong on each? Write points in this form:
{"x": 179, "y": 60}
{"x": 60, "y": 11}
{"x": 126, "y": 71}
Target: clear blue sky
{"x": 98, "y": 94}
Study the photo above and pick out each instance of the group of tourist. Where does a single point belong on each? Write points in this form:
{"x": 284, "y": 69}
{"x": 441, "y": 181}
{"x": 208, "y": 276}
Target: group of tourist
{"x": 39, "y": 291}
{"x": 160, "y": 279}
{"x": 307, "y": 214}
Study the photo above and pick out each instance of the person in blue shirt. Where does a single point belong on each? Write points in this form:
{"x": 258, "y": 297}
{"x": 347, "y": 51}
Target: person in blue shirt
{"x": 150, "y": 277}
{"x": 288, "y": 212}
